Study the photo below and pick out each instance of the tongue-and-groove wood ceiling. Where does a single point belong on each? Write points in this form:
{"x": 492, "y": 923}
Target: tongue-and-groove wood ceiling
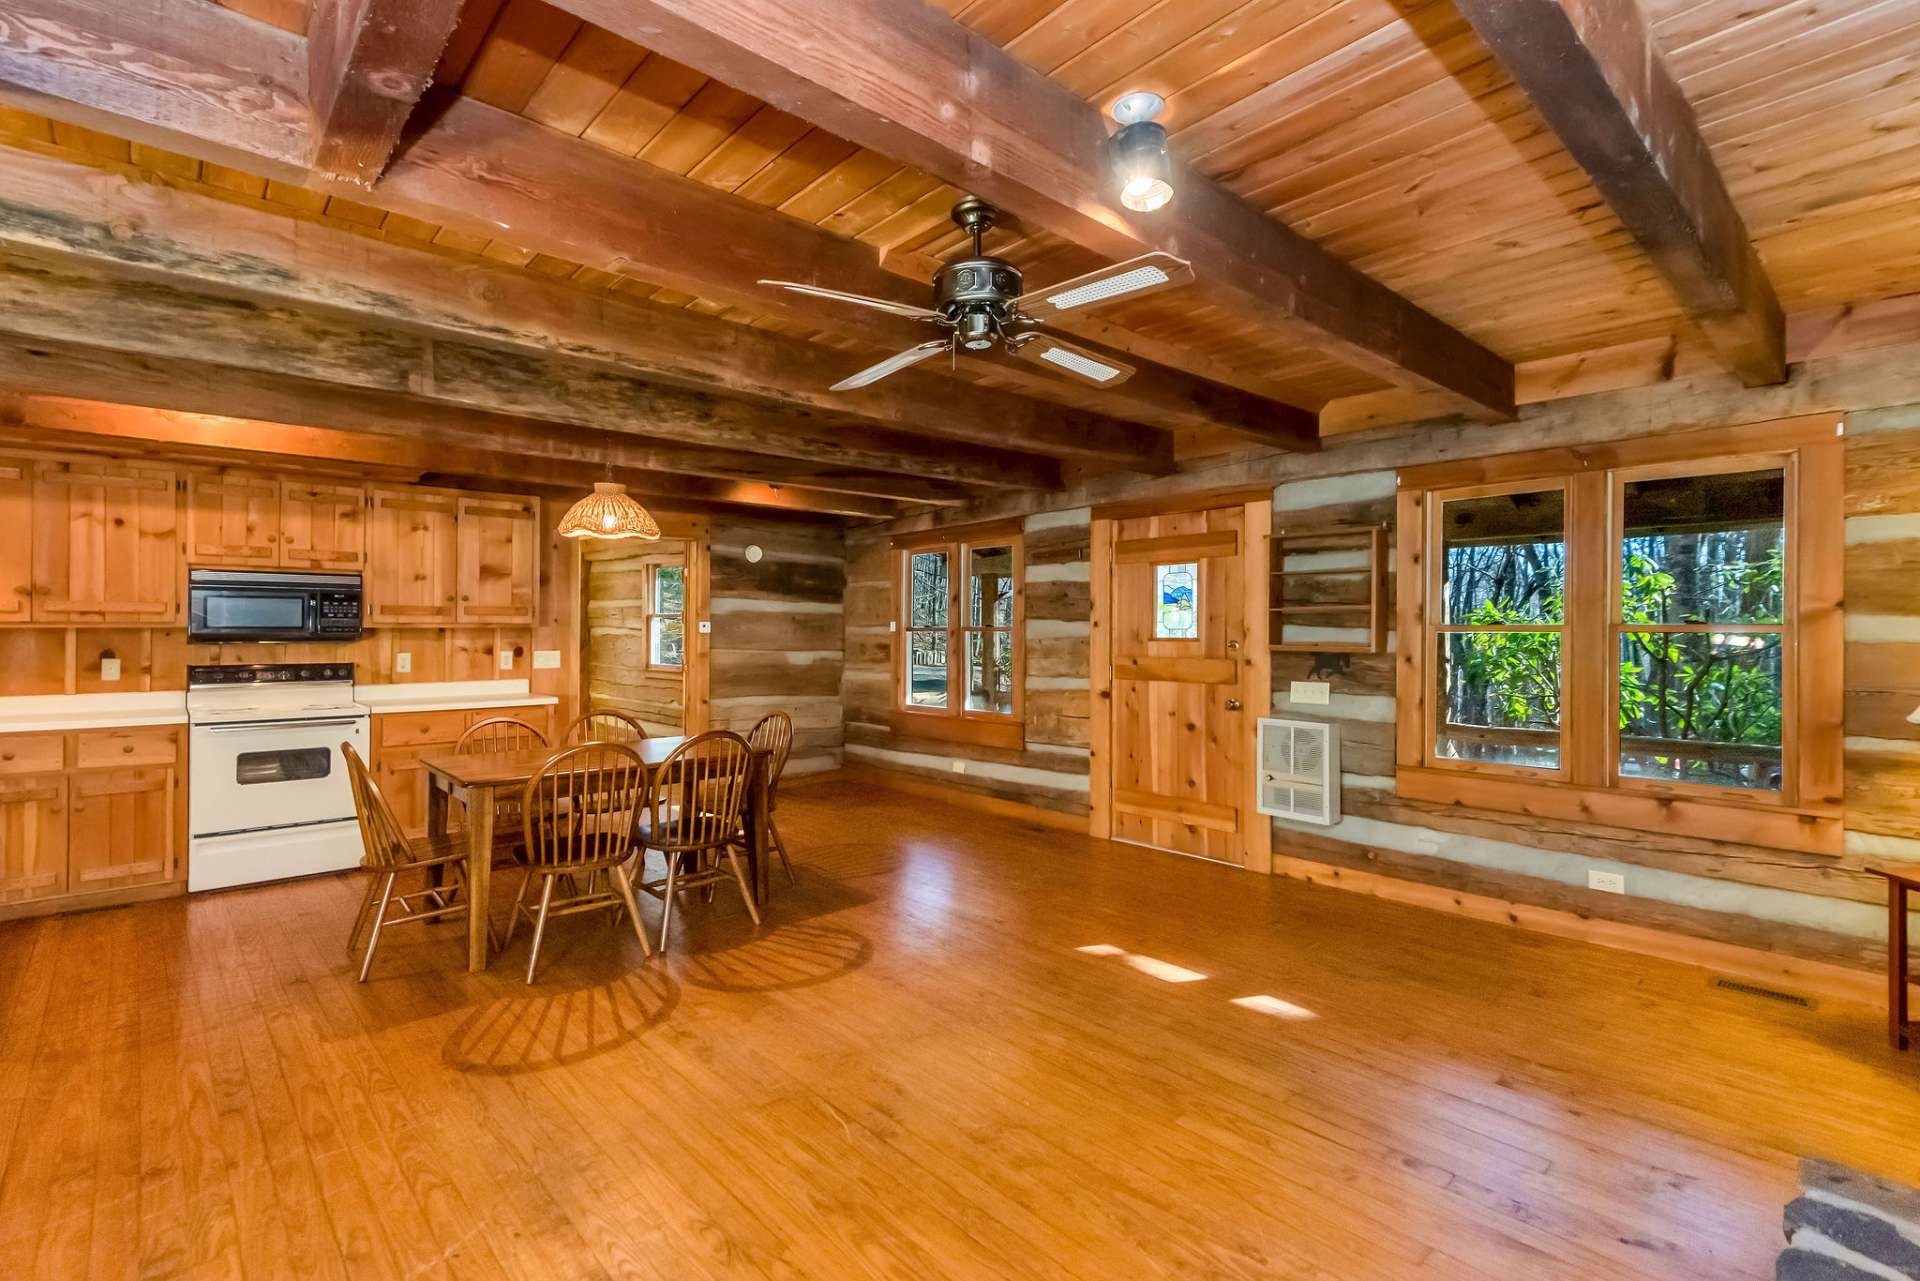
{"x": 1386, "y": 131}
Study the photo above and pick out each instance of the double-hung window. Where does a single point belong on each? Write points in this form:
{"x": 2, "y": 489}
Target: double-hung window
{"x": 958, "y": 621}
{"x": 1644, "y": 634}
{"x": 666, "y": 615}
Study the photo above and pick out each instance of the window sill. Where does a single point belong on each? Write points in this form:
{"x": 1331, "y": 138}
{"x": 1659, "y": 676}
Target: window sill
{"x": 1771, "y": 825}
{"x": 1003, "y": 733}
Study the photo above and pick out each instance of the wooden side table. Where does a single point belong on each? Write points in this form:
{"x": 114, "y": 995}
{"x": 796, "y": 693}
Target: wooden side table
{"x": 1901, "y": 877}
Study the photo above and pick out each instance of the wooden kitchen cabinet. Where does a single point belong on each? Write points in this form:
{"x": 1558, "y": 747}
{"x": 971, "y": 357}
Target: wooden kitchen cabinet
{"x": 233, "y": 519}
{"x": 106, "y": 542}
{"x": 411, "y": 574}
{"x": 498, "y": 560}
{"x": 323, "y": 526}
{"x": 16, "y": 540}
{"x": 120, "y": 829}
{"x": 33, "y": 838}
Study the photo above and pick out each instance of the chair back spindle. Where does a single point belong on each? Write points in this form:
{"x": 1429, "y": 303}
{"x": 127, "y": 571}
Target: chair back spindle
{"x": 773, "y": 734}
{"x": 499, "y": 734}
{"x": 384, "y": 842}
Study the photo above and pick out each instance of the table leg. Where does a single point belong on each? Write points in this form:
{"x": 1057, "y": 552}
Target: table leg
{"x": 757, "y": 827}
{"x": 480, "y": 808}
{"x": 1897, "y": 964}
{"x": 438, "y": 796}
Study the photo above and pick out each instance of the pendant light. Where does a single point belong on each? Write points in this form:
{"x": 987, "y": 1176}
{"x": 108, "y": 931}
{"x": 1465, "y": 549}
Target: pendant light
{"x": 609, "y": 513}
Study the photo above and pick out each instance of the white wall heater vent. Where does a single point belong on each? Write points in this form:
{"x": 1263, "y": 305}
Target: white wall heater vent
{"x": 1300, "y": 771}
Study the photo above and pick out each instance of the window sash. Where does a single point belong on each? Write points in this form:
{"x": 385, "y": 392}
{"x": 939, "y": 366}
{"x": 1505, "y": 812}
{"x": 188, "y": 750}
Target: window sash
{"x": 650, "y": 613}
{"x": 959, "y": 554}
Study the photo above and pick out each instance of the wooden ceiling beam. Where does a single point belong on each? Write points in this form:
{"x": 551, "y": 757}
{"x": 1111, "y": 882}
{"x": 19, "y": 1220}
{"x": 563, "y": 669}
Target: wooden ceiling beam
{"x": 57, "y": 421}
{"x": 903, "y": 78}
{"x": 83, "y": 306}
{"x": 73, "y": 371}
{"x": 1592, "y": 69}
{"x": 58, "y": 208}
{"x": 191, "y": 77}
{"x": 368, "y": 62}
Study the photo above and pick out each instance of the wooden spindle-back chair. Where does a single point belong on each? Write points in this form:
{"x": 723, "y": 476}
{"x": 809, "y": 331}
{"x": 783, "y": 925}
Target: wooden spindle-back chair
{"x": 581, "y": 814}
{"x": 389, "y": 853}
{"x": 700, "y": 793}
{"x": 773, "y": 734}
{"x": 502, "y": 734}
{"x": 605, "y": 726}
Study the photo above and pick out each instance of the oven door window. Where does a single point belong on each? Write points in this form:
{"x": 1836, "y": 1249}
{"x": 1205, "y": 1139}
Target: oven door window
{"x": 255, "y": 611}
{"x": 290, "y": 765}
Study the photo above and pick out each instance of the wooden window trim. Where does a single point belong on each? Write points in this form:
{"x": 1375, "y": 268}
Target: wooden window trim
{"x": 1806, "y": 814}
{"x": 955, "y": 723}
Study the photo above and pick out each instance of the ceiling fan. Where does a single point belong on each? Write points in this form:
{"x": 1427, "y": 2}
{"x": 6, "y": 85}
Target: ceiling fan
{"x": 978, "y": 300}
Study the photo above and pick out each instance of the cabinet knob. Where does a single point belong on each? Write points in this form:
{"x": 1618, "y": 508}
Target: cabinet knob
{"x": 6, "y": 756}
{"x": 128, "y": 748}
{"x": 1233, "y": 704}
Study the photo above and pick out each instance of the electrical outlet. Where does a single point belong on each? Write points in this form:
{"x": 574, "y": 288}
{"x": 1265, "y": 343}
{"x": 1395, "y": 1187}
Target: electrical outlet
{"x": 506, "y": 660}
{"x": 1313, "y": 693}
{"x": 959, "y": 767}
{"x": 403, "y": 662}
{"x": 546, "y": 660}
{"x": 109, "y": 669}
{"x": 1608, "y": 882}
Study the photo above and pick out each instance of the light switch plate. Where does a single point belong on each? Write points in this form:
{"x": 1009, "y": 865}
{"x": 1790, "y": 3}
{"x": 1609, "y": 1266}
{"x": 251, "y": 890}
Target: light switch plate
{"x": 1311, "y": 693}
{"x": 1608, "y": 882}
{"x": 506, "y": 660}
{"x": 109, "y": 669}
{"x": 546, "y": 660}
{"x": 403, "y": 662}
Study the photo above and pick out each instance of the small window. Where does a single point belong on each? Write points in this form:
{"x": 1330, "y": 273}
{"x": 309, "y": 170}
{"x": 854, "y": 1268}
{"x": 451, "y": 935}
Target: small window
{"x": 1176, "y": 601}
{"x": 959, "y": 627}
{"x": 667, "y": 616}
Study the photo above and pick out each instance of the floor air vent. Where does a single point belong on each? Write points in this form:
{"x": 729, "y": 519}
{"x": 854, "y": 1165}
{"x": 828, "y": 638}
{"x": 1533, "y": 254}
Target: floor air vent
{"x": 1764, "y": 993}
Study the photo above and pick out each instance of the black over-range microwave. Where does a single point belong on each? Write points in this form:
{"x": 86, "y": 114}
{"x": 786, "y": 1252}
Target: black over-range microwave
{"x": 270, "y": 605}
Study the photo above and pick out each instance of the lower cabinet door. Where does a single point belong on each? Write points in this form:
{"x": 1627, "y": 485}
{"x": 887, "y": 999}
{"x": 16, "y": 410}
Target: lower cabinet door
{"x": 33, "y": 838}
{"x": 404, "y": 783}
{"x": 121, "y": 829}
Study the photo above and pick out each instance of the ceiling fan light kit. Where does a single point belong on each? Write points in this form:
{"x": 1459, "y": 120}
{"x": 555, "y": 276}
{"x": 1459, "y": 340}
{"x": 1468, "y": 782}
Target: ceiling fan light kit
{"x": 978, "y": 301}
{"x": 1138, "y": 153}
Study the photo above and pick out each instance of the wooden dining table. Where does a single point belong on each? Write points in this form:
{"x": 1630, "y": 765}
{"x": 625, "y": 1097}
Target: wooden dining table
{"x": 480, "y": 779}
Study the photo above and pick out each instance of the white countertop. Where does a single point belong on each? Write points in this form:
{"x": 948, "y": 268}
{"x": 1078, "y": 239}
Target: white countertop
{"x": 448, "y": 696}
{"x": 53, "y": 713}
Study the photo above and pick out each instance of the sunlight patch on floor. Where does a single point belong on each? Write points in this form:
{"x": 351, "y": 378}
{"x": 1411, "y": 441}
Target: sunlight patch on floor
{"x": 1165, "y": 971}
{"x": 1274, "y": 1006}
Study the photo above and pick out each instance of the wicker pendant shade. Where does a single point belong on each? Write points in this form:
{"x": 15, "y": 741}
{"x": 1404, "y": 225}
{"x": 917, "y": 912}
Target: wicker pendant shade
{"x": 609, "y": 512}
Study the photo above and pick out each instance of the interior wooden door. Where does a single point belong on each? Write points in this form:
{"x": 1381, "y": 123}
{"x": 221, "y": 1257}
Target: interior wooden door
{"x": 410, "y": 577}
{"x": 1184, "y": 681}
{"x": 232, "y": 519}
{"x": 106, "y": 543}
{"x": 499, "y": 547}
{"x": 323, "y": 525}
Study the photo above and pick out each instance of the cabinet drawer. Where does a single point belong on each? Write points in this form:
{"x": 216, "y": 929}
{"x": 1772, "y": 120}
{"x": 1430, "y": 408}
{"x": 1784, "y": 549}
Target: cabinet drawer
{"x": 541, "y": 718}
{"x": 32, "y": 753}
{"x": 404, "y": 729}
{"x": 95, "y": 748}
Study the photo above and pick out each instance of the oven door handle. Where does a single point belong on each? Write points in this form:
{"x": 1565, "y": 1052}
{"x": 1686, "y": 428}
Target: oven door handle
{"x": 244, "y": 727}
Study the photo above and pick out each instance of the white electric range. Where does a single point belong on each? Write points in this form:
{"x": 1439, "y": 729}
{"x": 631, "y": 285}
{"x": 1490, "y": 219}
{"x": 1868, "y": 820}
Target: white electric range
{"x": 268, "y": 796}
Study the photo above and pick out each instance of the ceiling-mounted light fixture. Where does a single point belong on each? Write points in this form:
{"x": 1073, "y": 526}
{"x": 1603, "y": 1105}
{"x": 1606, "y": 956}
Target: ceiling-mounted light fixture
{"x": 609, "y": 513}
{"x": 1138, "y": 153}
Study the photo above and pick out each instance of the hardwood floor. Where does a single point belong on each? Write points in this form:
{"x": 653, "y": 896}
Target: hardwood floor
{"x": 912, "y": 1071}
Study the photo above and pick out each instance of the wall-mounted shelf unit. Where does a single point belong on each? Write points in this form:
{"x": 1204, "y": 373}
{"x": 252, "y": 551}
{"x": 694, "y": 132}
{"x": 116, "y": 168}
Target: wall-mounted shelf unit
{"x": 1329, "y": 591}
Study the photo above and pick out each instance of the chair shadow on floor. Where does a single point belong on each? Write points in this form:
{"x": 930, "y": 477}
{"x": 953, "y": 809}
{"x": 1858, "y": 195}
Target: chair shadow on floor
{"x": 574, "y": 1013}
{"x": 781, "y": 957}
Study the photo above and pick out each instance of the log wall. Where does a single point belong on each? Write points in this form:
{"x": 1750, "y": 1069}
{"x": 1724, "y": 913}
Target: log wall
{"x": 1801, "y": 904}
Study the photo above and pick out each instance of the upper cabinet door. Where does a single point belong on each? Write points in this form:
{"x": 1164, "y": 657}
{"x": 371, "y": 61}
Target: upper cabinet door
{"x": 233, "y": 518}
{"x": 106, "y": 543}
{"x": 499, "y": 559}
{"x": 410, "y": 576}
{"x": 323, "y": 526}
{"x": 16, "y": 540}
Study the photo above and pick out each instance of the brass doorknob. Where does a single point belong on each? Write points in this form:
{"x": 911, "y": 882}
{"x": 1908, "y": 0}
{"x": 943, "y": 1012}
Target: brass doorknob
{"x": 1233, "y": 704}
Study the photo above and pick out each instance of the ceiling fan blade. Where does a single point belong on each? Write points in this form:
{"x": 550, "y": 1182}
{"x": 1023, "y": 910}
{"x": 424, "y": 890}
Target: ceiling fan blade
{"x": 1130, "y": 279}
{"x": 891, "y": 365}
{"x": 1064, "y": 357}
{"x": 859, "y": 300}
